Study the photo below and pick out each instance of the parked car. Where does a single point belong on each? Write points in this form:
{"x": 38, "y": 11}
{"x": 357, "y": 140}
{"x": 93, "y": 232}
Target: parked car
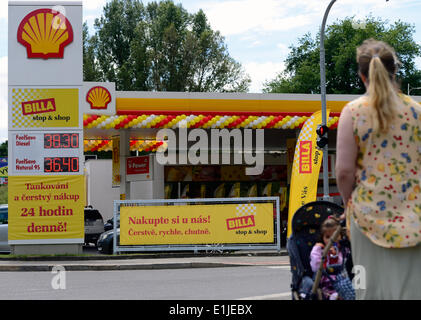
{"x": 4, "y": 245}
{"x": 94, "y": 225}
{"x": 105, "y": 241}
{"x": 110, "y": 223}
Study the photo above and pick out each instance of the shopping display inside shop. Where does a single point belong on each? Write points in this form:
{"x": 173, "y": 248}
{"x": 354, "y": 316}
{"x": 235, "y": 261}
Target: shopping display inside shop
{"x": 225, "y": 181}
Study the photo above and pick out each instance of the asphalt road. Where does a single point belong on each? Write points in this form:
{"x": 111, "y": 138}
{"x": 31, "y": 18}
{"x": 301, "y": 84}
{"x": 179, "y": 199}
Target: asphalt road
{"x": 229, "y": 283}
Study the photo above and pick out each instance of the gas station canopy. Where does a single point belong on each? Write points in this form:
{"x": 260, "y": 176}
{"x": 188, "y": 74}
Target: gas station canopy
{"x": 157, "y": 110}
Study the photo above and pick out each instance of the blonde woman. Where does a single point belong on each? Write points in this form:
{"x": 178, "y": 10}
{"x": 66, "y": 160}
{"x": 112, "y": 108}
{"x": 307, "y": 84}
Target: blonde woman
{"x": 378, "y": 170}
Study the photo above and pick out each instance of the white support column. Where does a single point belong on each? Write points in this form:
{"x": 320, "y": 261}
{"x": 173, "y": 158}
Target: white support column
{"x": 124, "y": 153}
{"x": 158, "y": 180}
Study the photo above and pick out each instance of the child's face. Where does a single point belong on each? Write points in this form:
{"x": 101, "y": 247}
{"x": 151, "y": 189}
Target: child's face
{"x": 327, "y": 235}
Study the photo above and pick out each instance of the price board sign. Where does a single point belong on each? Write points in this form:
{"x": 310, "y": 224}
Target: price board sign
{"x": 48, "y": 152}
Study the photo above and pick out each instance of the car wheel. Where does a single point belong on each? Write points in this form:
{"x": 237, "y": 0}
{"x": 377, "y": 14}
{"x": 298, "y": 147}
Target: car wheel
{"x": 109, "y": 248}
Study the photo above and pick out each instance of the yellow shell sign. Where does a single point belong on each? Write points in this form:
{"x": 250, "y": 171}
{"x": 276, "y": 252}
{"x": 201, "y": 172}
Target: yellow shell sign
{"x": 44, "y": 108}
{"x": 45, "y": 33}
{"x": 98, "y": 97}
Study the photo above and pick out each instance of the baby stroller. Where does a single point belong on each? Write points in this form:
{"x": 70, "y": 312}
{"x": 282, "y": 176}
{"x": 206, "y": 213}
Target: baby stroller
{"x": 305, "y": 233}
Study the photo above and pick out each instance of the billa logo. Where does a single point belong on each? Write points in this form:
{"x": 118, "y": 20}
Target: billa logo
{"x": 305, "y": 156}
{"x": 38, "y": 106}
{"x": 240, "y": 222}
{"x": 98, "y": 97}
{"x": 45, "y": 33}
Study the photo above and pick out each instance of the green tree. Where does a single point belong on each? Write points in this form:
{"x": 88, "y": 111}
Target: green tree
{"x": 302, "y": 66}
{"x": 3, "y": 149}
{"x": 160, "y": 47}
{"x": 90, "y": 64}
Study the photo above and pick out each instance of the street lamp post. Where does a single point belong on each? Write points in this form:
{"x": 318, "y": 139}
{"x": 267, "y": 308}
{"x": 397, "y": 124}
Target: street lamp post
{"x": 326, "y": 195}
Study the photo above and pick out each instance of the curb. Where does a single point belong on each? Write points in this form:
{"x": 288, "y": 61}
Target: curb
{"x": 139, "y": 256}
{"x": 119, "y": 267}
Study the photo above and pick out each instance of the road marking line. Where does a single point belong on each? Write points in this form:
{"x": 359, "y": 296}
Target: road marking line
{"x": 268, "y": 296}
{"x": 280, "y": 267}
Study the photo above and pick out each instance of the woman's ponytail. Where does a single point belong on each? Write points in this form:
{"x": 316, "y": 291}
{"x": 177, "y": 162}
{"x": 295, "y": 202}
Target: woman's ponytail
{"x": 382, "y": 94}
{"x": 378, "y": 63}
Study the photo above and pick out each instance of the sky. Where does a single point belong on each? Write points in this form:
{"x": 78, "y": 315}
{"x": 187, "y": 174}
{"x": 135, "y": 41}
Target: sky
{"x": 258, "y": 33}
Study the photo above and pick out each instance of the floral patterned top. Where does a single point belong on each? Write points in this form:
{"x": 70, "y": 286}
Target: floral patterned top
{"x": 386, "y": 202}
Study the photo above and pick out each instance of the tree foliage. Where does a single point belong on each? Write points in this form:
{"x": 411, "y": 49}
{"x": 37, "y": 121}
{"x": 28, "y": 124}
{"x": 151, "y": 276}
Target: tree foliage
{"x": 3, "y": 149}
{"x": 302, "y": 66}
{"x": 159, "y": 47}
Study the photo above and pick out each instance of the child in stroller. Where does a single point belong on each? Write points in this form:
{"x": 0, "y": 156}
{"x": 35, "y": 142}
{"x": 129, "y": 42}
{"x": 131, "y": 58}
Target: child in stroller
{"x": 333, "y": 264}
{"x": 306, "y": 225}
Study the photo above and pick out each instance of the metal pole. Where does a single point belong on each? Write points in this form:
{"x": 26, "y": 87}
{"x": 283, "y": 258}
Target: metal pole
{"x": 323, "y": 93}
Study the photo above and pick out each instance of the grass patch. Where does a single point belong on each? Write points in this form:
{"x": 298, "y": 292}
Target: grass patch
{"x": 3, "y": 194}
{"x": 28, "y": 256}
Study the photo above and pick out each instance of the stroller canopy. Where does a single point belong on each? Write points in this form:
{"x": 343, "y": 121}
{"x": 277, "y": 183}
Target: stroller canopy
{"x": 308, "y": 218}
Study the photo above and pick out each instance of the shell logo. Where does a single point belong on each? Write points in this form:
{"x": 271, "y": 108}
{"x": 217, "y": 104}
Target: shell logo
{"x": 98, "y": 97}
{"x": 45, "y": 33}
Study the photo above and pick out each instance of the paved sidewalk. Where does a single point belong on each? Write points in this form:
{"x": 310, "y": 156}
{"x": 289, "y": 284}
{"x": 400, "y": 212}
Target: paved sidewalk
{"x": 148, "y": 262}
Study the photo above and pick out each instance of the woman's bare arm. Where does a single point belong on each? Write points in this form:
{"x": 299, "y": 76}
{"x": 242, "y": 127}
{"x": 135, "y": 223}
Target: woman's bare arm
{"x": 346, "y": 155}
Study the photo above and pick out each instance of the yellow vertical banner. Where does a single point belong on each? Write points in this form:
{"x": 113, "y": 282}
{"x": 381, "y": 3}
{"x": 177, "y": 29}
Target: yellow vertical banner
{"x": 306, "y": 167}
{"x": 116, "y": 162}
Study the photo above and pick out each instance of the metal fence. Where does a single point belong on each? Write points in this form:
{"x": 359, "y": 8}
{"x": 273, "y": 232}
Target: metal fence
{"x": 205, "y": 247}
